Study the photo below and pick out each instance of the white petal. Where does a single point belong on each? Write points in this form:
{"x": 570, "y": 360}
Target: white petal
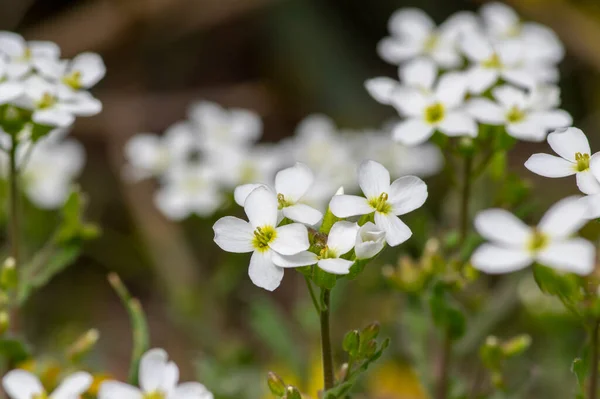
{"x": 43, "y": 48}
{"x": 509, "y": 96}
{"x": 575, "y": 255}
{"x": 481, "y": 79}
{"x": 451, "y": 89}
{"x": 458, "y": 124}
{"x": 261, "y": 207}
{"x": 522, "y": 77}
{"x": 53, "y": 117}
{"x": 396, "y": 231}
{"x": 587, "y": 183}
{"x": 12, "y": 44}
{"x": 499, "y": 18}
{"x": 73, "y": 386}
{"x": 420, "y": 73}
{"x": 294, "y": 182}
{"x": 592, "y": 204}
{"x": 233, "y": 235}
{"x": 476, "y": 47}
{"x": 342, "y": 237}
{"x": 82, "y": 104}
{"x": 344, "y": 206}
{"x": 303, "y": 213}
{"x": 304, "y": 258}
{"x": 595, "y": 165}
{"x": 370, "y": 240}
{"x": 191, "y": 390}
{"x": 412, "y": 132}
{"x": 336, "y": 266}
{"x": 407, "y": 194}
{"x": 528, "y": 130}
{"x": 21, "y": 384}
{"x": 495, "y": 260}
{"x": 381, "y": 89}
{"x": 290, "y": 239}
{"x": 373, "y": 178}
{"x": 413, "y": 23}
{"x": 118, "y": 390}
{"x": 395, "y": 51}
{"x": 263, "y": 272}
{"x": 242, "y": 192}
{"x": 153, "y": 369}
{"x": 410, "y": 101}
{"x": 9, "y": 91}
{"x": 502, "y": 227}
{"x": 91, "y": 66}
{"x": 568, "y": 142}
{"x": 486, "y": 111}
{"x": 554, "y": 119}
{"x": 564, "y": 218}
{"x": 550, "y": 166}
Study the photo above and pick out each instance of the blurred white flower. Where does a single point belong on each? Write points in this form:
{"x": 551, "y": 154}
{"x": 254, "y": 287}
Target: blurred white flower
{"x": 526, "y": 116}
{"x": 291, "y": 184}
{"x": 159, "y": 379}
{"x": 50, "y": 108}
{"x": 413, "y": 34}
{"x": 80, "y": 73}
{"x": 22, "y": 56}
{"x": 370, "y": 240}
{"x": 186, "y": 190}
{"x": 442, "y": 110}
{"x": 48, "y": 170}
{"x": 21, "y": 384}
{"x": 514, "y": 245}
{"x": 574, "y": 158}
{"x": 385, "y": 200}
{"x": 262, "y": 237}
{"x": 9, "y": 89}
{"x": 222, "y": 128}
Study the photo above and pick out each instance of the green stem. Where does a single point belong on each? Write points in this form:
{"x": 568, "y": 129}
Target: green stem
{"x": 313, "y": 296}
{"x": 328, "y": 372}
{"x": 14, "y": 227}
{"x": 444, "y": 368}
{"x": 594, "y": 354}
{"x": 466, "y": 199}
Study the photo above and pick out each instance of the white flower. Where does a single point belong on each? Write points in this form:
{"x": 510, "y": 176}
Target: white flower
{"x": 574, "y": 152}
{"x": 370, "y": 240}
{"x": 495, "y": 60}
{"x": 442, "y": 110}
{"x": 50, "y": 108}
{"x": 515, "y": 245}
{"x": 262, "y": 237}
{"x": 21, "y": 384}
{"x": 415, "y": 34}
{"x": 222, "y": 128}
{"x": 385, "y": 200}
{"x": 188, "y": 189}
{"x": 150, "y": 155}
{"x": 291, "y": 185}
{"x": 159, "y": 379}
{"x": 9, "y": 89}
{"x": 592, "y": 200}
{"x": 525, "y": 116}
{"x": 237, "y": 165}
{"x": 82, "y": 72}
{"x": 23, "y": 55}
{"x": 50, "y": 170}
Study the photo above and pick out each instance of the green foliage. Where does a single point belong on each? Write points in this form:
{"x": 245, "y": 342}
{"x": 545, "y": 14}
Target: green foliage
{"x": 445, "y": 315}
{"x": 14, "y": 350}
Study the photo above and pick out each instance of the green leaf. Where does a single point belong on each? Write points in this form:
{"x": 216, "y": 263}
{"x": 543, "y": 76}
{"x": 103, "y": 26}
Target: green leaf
{"x": 580, "y": 369}
{"x": 445, "y": 316}
{"x": 14, "y": 350}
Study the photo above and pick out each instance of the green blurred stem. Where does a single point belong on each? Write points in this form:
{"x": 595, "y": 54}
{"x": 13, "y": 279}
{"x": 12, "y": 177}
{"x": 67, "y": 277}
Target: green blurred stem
{"x": 465, "y": 198}
{"x": 328, "y": 372}
{"x": 441, "y": 391}
{"x": 313, "y": 296}
{"x": 594, "y": 352}
{"x": 14, "y": 226}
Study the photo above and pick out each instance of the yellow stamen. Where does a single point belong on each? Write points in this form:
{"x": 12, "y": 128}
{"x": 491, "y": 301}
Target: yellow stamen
{"x": 493, "y": 62}
{"x": 583, "y": 161}
{"x": 380, "y": 204}
{"x": 515, "y": 115}
{"x": 47, "y": 101}
{"x": 73, "y": 80}
{"x": 155, "y": 395}
{"x": 434, "y": 113}
{"x": 263, "y": 236}
{"x": 431, "y": 42}
{"x": 538, "y": 241}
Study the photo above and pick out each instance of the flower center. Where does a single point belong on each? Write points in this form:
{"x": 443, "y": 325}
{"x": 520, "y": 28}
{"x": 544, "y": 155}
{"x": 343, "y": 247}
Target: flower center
{"x": 26, "y": 56}
{"x": 538, "y": 241}
{"x": 515, "y": 115}
{"x": 193, "y": 185}
{"x": 431, "y": 42}
{"x": 327, "y": 253}
{"x": 282, "y": 201}
{"x": 380, "y": 203}
{"x": 263, "y": 236}
{"x": 493, "y": 62}
{"x": 154, "y": 395}
{"x": 434, "y": 113}
{"x": 583, "y": 161}
{"x": 42, "y": 395}
{"x": 47, "y": 101}
{"x": 73, "y": 80}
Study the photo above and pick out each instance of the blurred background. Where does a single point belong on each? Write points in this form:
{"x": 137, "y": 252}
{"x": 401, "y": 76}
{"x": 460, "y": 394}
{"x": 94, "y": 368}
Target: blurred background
{"x": 283, "y": 59}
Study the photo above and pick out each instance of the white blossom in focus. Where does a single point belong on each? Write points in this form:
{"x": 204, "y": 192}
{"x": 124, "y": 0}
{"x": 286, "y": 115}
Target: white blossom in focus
{"x": 386, "y": 201}
{"x": 370, "y": 240}
{"x": 159, "y": 379}
{"x": 21, "y": 384}
{"x": 514, "y": 245}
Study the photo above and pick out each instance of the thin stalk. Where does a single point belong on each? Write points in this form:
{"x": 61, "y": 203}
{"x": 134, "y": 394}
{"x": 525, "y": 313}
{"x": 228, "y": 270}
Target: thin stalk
{"x": 441, "y": 391}
{"x": 313, "y": 296}
{"x": 328, "y": 372}
{"x": 594, "y": 355}
{"x": 14, "y": 226}
{"x": 466, "y": 199}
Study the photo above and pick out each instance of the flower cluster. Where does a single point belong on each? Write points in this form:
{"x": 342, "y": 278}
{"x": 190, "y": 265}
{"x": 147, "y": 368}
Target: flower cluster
{"x": 280, "y": 231}
{"x": 497, "y": 71}
{"x": 200, "y": 161}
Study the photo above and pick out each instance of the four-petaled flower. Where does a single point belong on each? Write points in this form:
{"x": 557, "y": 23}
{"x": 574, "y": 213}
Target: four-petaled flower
{"x": 21, "y": 384}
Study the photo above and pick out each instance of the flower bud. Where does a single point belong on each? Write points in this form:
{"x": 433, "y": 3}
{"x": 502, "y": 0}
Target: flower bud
{"x": 351, "y": 343}
{"x": 370, "y": 332}
{"x": 83, "y": 345}
{"x": 276, "y": 384}
{"x": 4, "y": 322}
{"x": 292, "y": 393}
{"x": 369, "y": 241}
{"x": 8, "y": 276}
{"x": 516, "y": 346}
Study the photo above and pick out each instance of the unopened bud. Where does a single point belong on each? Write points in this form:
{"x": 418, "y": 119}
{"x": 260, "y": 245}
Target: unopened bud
{"x": 4, "y": 322}
{"x": 292, "y": 393}
{"x": 276, "y": 385}
{"x": 351, "y": 343}
{"x": 516, "y": 346}
{"x": 343, "y": 373}
{"x": 370, "y": 332}
{"x": 8, "y": 276}
{"x": 83, "y": 345}
{"x": 368, "y": 349}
